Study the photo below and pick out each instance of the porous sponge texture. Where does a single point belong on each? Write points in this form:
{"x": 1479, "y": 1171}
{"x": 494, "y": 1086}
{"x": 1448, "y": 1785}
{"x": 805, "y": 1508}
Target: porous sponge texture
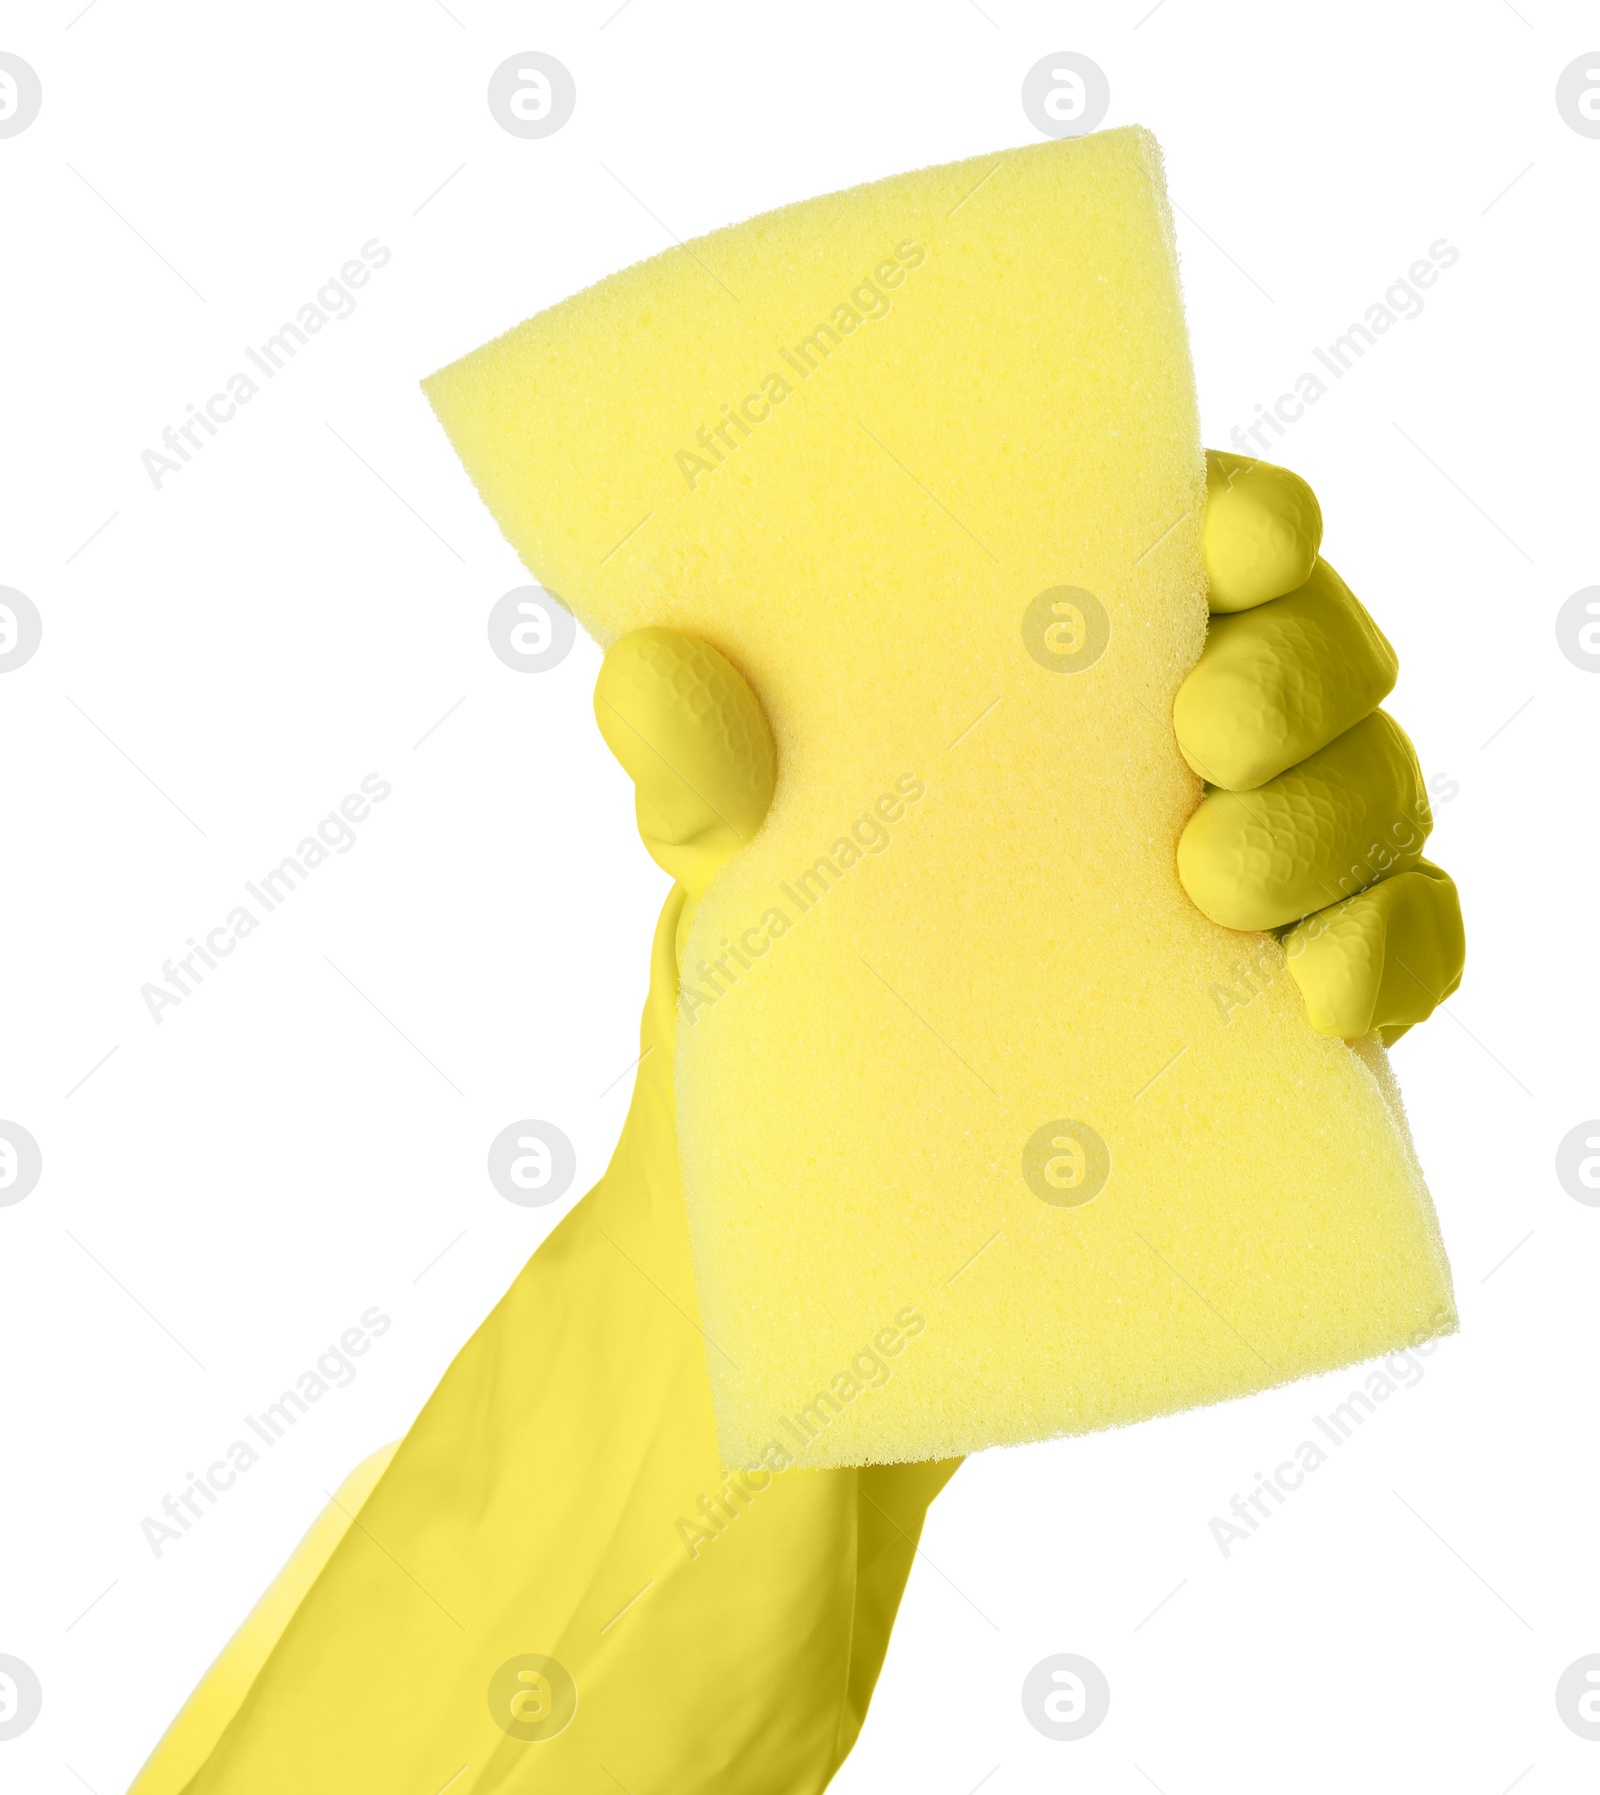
{"x": 987, "y": 1133}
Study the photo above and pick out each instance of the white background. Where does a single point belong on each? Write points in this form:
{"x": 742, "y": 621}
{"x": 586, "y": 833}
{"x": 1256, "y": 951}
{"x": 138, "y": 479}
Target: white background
{"x": 228, "y": 656}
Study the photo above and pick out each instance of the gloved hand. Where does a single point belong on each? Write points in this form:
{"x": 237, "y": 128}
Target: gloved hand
{"x": 1316, "y": 812}
{"x": 561, "y": 1494}
{"x": 1283, "y": 706}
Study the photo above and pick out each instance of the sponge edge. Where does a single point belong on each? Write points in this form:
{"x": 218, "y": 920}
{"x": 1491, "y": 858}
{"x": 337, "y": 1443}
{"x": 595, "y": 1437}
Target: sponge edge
{"x": 987, "y": 1133}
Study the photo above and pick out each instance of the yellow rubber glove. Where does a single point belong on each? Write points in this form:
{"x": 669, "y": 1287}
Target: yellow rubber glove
{"x": 560, "y": 1494}
{"x": 1316, "y": 812}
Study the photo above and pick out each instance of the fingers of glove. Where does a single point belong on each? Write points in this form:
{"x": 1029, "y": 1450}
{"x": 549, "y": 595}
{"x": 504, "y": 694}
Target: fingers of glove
{"x": 1278, "y": 682}
{"x": 1353, "y": 813}
{"x": 692, "y": 736}
{"x": 1383, "y": 960}
{"x": 1261, "y": 531}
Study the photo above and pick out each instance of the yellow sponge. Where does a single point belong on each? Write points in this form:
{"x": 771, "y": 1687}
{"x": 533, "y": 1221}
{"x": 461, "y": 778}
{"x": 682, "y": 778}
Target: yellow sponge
{"x": 987, "y": 1133}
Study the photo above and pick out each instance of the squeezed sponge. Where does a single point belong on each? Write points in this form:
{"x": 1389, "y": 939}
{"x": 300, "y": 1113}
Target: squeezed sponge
{"x": 987, "y": 1133}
